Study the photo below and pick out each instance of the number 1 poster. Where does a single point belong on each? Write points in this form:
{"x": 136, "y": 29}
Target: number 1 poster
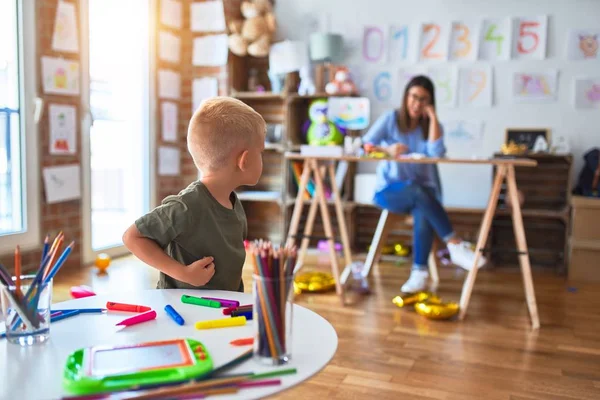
{"x": 495, "y": 39}
{"x": 529, "y": 38}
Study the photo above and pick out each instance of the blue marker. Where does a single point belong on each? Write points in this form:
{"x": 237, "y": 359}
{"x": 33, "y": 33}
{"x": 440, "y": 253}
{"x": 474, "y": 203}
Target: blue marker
{"x": 247, "y": 314}
{"x": 174, "y": 315}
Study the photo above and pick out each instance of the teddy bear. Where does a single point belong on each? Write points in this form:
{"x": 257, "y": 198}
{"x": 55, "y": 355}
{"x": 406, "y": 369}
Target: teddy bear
{"x": 341, "y": 84}
{"x": 253, "y": 34}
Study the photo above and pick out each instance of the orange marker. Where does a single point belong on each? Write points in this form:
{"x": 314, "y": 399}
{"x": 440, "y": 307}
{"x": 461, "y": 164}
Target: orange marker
{"x": 242, "y": 342}
{"x": 111, "y": 305}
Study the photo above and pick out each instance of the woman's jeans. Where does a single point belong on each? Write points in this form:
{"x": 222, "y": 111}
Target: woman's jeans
{"x": 428, "y": 214}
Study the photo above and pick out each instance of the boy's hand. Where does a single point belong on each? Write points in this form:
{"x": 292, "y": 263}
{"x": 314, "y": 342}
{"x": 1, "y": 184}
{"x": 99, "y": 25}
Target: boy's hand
{"x": 200, "y": 272}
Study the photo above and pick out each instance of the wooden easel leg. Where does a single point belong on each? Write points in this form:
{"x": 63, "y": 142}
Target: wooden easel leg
{"x": 483, "y": 234}
{"x": 339, "y": 209}
{"x": 521, "y": 240}
{"x": 310, "y": 221}
{"x": 328, "y": 231}
{"x": 297, "y": 213}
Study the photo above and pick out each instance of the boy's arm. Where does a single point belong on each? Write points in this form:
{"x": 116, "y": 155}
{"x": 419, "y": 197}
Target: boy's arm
{"x": 150, "y": 234}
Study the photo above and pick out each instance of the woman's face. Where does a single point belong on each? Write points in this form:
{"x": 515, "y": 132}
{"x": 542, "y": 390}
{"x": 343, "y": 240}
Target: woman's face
{"x": 417, "y": 99}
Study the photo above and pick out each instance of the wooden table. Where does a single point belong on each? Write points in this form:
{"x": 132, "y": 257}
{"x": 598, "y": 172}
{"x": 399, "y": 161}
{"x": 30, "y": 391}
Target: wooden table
{"x": 319, "y": 166}
{"x": 36, "y": 372}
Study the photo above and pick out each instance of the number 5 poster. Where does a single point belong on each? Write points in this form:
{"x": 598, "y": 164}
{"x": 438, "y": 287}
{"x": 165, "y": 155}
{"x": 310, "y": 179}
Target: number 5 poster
{"x": 529, "y": 38}
{"x": 495, "y": 39}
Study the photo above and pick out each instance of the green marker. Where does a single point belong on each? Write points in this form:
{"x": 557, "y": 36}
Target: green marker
{"x": 200, "y": 302}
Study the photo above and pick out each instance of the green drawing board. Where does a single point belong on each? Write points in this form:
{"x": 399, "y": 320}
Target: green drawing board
{"x": 108, "y": 368}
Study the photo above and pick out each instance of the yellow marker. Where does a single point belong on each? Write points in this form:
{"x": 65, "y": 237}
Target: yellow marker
{"x": 221, "y": 323}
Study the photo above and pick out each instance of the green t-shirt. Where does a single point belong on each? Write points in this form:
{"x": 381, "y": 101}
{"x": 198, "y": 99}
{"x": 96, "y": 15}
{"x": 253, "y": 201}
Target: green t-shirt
{"x": 193, "y": 225}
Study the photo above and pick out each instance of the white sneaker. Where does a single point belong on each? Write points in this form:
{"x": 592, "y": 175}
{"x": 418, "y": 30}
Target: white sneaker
{"x": 417, "y": 282}
{"x": 463, "y": 255}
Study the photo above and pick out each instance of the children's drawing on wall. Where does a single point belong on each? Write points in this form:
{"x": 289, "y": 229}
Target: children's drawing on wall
{"x": 583, "y": 44}
{"x": 464, "y": 139}
{"x": 445, "y": 80}
{"x": 60, "y": 76}
{"x": 169, "y": 121}
{"x": 475, "y": 86}
{"x": 587, "y": 93}
{"x": 62, "y": 129}
{"x": 349, "y": 112}
{"x": 64, "y": 37}
{"x": 535, "y": 87}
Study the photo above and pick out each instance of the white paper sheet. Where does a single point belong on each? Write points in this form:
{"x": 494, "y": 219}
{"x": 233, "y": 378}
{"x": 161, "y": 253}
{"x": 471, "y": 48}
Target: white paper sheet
{"x": 530, "y": 35}
{"x": 63, "y": 128}
{"x": 434, "y": 42}
{"x": 169, "y": 47}
{"x": 202, "y": 89}
{"x": 65, "y": 37}
{"x": 169, "y": 84}
{"x": 464, "y": 40}
{"x": 169, "y": 113}
{"x": 583, "y": 44}
{"x": 586, "y": 93}
{"x": 475, "y": 87}
{"x": 495, "y": 39}
{"x": 171, "y": 13}
{"x": 60, "y": 76}
{"x": 445, "y": 80}
{"x": 374, "y": 44}
{"x": 62, "y": 183}
{"x": 168, "y": 161}
{"x": 349, "y": 112}
{"x": 207, "y": 16}
{"x": 399, "y": 42}
{"x": 210, "y": 51}
{"x": 535, "y": 87}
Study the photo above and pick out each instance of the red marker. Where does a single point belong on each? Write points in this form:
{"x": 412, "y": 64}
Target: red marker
{"x": 136, "y": 319}
{"x": 242, "y": 342}
{"x": 111, "y": 305}
{"x": 247, "y": 307}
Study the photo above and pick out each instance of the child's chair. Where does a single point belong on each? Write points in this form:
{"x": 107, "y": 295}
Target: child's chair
{"x": 379, "y": 239}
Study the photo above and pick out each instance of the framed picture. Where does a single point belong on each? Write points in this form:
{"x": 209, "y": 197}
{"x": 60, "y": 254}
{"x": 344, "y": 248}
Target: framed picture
{"x": 526, "y": 136}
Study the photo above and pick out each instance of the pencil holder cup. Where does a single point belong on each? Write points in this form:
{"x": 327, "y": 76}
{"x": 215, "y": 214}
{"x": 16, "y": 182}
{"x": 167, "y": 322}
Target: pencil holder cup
{"x": 272, "y": 315}
{"x": 27, "y": 322}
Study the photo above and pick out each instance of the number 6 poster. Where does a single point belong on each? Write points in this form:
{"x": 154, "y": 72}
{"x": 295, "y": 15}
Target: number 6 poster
{"x": 529, "y": 38}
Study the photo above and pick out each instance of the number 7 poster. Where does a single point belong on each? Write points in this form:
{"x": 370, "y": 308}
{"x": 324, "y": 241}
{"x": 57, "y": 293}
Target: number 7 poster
{"x": 529, "y": 38}
{"x": 495, "y": 39}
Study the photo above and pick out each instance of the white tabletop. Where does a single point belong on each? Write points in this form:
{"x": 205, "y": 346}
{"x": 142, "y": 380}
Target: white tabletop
{"x": 36, "y": 372}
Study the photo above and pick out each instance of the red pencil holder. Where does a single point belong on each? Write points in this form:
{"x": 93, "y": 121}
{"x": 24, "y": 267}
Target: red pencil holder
{"x": 272, "y": 315}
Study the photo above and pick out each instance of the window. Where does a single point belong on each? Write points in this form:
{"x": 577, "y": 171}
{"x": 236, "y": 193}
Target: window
{"x": 19, "y": 174}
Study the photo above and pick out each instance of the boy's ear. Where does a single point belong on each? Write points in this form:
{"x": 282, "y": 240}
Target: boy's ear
{"x": 242, "y": 160}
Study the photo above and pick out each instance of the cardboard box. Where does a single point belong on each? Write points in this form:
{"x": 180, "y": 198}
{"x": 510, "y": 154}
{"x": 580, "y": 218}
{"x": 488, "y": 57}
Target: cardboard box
{"x": 584, "y": 262}
{"x": 586, "y": 218}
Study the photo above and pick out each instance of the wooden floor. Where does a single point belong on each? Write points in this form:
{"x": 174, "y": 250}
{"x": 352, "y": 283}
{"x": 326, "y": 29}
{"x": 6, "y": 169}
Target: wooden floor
{"x": 390, "y": 353}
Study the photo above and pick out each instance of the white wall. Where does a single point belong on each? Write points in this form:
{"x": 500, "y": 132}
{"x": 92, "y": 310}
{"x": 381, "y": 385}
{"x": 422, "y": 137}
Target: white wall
{"x": 581, "y": 128}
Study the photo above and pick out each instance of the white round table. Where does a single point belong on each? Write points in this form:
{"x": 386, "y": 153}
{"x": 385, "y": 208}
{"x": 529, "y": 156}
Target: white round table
{"x": 36, "y": 372}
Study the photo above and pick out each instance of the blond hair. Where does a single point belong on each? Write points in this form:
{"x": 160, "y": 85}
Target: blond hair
{"x": 220, "y": 127}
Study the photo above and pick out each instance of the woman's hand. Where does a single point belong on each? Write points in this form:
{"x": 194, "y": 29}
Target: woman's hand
{"x": 396, "y": 149}
{"x": 429, "y": 112}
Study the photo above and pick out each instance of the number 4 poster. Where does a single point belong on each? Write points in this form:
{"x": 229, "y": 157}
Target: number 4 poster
{"x": 529, "y": 38}
{"x": 495, "y": 39}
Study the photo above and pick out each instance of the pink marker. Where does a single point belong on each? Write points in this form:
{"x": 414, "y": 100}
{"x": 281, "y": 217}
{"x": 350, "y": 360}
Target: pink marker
{"x": 136, "y": 319}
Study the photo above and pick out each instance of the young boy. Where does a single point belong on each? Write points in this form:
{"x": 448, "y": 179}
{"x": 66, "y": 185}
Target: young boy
{"x": 196, "y": 238}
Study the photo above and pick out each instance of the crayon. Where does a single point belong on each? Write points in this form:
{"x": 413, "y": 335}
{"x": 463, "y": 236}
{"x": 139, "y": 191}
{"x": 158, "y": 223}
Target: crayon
{"x": 136, "y": 319}
{"x": 111, "y": 305}
{"x": 221, "y": 323}
{"x": 224, "y": 302}
{"x": 174, "y": 315}
{"x": 242, "y": 342}
{"x": 198, "y": 301}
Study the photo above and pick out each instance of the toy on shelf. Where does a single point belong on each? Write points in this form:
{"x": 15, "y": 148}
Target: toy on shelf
{"x": 514, "y": 149}
{"x": 321, "y": 131}
{"x": 307, "y": 86}
{"x": 253, "y": 34}
{"x": 341, "y": 84}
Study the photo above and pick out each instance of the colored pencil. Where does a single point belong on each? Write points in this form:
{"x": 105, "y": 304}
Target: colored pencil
{"x": 45, "y": 249}
{"x": 18, "y": 272}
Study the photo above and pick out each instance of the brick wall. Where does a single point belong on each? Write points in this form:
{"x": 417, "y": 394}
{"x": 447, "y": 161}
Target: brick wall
{"x": 65, "y": 216}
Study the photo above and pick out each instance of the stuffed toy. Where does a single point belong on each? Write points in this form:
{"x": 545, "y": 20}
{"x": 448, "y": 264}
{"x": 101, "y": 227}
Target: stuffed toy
{"x": 253, "y": 35}
{"x": 321, "y": 131}
{"x": 341, "y": 84}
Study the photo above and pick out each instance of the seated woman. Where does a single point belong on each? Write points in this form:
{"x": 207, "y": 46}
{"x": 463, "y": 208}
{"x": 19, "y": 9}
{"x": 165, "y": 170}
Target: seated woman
{"x": 415, "y": 188}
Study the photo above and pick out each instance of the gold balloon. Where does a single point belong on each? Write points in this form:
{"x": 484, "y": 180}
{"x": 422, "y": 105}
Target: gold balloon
{"x": 437, "y": 309}
{"x": 412, "y": 298}
{"x": 401, "y": 250}
{"x": 313, "y": 282}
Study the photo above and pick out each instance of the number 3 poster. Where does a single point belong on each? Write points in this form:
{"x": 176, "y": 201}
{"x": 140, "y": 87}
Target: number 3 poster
{"x": 529, "y": 38}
